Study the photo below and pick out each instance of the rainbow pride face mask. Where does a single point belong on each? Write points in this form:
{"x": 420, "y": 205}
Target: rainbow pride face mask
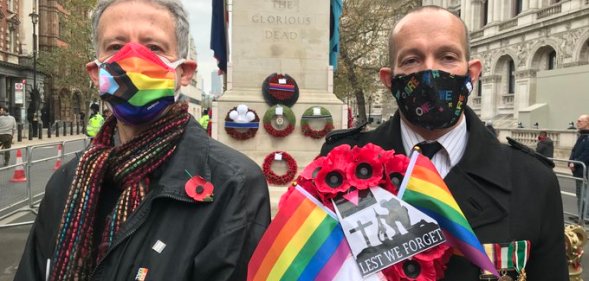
{"x": 138, "y": 84}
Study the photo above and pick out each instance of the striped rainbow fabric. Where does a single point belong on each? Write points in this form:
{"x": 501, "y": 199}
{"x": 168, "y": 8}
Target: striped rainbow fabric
{"x": 132, "y": 74}
{"x": 303, "y": 242}
{"x": 424, "y": 188}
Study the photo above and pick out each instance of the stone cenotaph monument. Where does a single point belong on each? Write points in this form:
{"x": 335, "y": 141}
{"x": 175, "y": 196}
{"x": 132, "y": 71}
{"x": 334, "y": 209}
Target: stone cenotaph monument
{"x": 282, "y": 37}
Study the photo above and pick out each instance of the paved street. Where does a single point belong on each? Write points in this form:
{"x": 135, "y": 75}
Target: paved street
{"x": 12, "y": 239}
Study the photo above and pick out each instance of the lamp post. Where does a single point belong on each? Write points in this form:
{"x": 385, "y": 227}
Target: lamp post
{"x": 369, "y": 109}
{"x": 35, "y": 96}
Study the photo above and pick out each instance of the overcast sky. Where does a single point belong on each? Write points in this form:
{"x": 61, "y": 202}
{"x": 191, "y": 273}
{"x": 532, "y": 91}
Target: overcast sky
{"x": 199, "y": 12}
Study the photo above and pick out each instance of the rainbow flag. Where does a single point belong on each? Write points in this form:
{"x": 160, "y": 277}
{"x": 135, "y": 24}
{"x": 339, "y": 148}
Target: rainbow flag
{"x": 424, "y": 188}
{"x": 304, "y": 242}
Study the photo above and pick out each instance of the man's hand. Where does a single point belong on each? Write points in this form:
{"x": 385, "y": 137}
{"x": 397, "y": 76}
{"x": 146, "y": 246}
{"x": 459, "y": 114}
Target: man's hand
{"x": 572, "y": 166}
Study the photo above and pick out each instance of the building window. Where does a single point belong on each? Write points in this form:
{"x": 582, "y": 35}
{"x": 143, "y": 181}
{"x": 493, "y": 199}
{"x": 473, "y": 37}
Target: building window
{"x": 485, "y": 13}
{"x": 12, "y": 41}
{"x": 511, "y": 86}
{"x": 552, "y": 60}
{"x": 517, "y": 7}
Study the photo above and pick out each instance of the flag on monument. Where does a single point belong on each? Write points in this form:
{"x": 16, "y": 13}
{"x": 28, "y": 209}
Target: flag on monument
{"x": 219, "y": 34}
{"x": 335, "y": 14}
{"x": 424, "y": 188}
{"x": 303, "y": 242}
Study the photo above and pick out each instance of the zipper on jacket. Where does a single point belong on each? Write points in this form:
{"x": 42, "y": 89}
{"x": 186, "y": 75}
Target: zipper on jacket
{"x": 126, "y": 235}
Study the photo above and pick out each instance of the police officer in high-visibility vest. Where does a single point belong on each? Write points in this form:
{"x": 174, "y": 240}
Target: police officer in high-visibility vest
{"x": 95, "y": 121}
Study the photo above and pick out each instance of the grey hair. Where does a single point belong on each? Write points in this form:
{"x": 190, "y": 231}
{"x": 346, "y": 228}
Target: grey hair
{"x": 465, "y": 42}
{"x": 174, "y": 6}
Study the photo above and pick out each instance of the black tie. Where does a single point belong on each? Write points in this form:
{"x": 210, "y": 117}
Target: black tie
{"x": 429, "y": 149}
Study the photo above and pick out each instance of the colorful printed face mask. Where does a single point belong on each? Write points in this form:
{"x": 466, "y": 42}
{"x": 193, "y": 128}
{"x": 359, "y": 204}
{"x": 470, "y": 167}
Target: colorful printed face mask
{"x": 431, "y": 99}
{"x": 138, "y": 84}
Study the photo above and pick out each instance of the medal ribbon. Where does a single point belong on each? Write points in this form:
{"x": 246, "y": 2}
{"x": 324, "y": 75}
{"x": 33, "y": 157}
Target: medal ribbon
{"x": 508, "y": 255}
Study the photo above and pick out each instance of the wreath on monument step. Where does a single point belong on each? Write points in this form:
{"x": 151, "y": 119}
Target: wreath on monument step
{"x": 280, "y": 89}
{"x": 316, "y": 114}
{"x": 242, "y": 123}
{"x": 279, "y": 121}
{"x": 271, "y": 176}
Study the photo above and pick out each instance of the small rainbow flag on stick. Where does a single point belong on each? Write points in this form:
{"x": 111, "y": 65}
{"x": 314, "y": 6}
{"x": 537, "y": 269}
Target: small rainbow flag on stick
{"x": 424, "y": 188}
{"x": 303, "y": 242}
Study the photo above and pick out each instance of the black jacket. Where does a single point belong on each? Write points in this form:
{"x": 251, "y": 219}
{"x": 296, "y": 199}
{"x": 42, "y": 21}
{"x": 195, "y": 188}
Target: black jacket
{"x": 505, "y": 193}
{"x": 204, "y": 241}
{"x": 580, "y": 152}
{"x": 545, "y": 147}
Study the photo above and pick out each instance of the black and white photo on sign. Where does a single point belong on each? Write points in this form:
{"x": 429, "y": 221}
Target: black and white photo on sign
{"x": 383, "y": 230}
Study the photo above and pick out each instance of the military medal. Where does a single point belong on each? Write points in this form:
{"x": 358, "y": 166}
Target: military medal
{"x": 522, "y": 276}
{"x": 505, "y": 278}
{"x": 508, "y": 256}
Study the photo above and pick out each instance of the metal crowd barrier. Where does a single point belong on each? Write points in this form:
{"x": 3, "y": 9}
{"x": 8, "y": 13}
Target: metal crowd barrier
{"x": 569, "y": 192}
{"x": 29, "y": 202}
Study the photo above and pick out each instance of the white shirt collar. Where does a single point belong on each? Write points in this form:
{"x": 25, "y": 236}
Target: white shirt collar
{"x": 454, "y": 144}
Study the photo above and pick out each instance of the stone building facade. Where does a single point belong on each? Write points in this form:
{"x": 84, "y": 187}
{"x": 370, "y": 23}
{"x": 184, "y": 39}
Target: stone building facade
{"x": 61, "y": 104}
{"x": 16, "y": 51}
{"x": 524, "y": 44}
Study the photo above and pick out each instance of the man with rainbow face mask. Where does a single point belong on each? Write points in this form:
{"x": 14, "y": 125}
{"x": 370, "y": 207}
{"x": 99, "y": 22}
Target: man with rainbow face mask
{"x": 509, "y": 195}
{"x": 153, "y": 197}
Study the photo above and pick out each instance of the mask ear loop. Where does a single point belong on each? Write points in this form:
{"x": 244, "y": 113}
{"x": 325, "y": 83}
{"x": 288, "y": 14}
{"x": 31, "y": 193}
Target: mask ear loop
{"x": 174, "y": 65}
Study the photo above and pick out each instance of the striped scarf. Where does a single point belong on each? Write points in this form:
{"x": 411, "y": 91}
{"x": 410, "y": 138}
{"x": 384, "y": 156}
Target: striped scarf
{"x": 129, "y": 165}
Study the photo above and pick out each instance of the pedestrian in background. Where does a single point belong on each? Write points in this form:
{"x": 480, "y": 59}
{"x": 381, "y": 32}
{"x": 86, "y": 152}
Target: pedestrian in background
{"x": 580, "y": 153}
{"x": 204, "y": 119}
{"x": 490, "y": 127}
{"x": 545, "y": 145}
{"x": 95, "y": 121}
{"x": 7, "y": 131}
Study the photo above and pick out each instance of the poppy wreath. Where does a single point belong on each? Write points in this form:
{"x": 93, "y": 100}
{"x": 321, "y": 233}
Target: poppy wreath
{"x": 272, "y": 177}
{"x": 345, "y": 170}
{"x": 309, "y": 115}
{"x": 242, "y": 123}
{"x": 287, "y": 117}
{"x": 280, "y": 89}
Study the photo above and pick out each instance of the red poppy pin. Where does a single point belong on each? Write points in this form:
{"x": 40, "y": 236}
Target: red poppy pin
{"x": 199, "y": 189}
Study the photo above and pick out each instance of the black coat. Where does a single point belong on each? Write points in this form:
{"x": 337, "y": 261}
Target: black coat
{"x": 580, "y": 152}
{"x": 545, "y": 147}
{"x": 505, "y": 193}
{"x": 204, "y": 241}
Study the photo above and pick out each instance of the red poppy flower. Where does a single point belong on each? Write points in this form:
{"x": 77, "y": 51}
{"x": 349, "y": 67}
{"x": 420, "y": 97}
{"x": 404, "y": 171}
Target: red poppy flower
{"x": 366, "y": 168}
{"x": 331, "y": 179}
{"x": 310, "y": 172}
{"x": 391, "y": 274}
{"x": 440, "y": 255}
{"x": 341, "y": 155}
{"x": 435, "y": 253}
{"x": 416, "y": 270}
{"x": 199, "y": 189}
{"x": 395, "y": 166}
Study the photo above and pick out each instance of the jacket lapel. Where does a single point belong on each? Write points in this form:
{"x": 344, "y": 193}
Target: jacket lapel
{"x": 479, "y": 181}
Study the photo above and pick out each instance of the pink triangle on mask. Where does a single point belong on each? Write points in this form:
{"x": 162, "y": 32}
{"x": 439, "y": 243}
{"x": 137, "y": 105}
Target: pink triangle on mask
{"x": 352, "y": 196}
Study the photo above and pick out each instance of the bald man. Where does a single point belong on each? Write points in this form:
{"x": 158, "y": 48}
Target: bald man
{"x": 580, "y": 153}
{"x": 509, "y": 195}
